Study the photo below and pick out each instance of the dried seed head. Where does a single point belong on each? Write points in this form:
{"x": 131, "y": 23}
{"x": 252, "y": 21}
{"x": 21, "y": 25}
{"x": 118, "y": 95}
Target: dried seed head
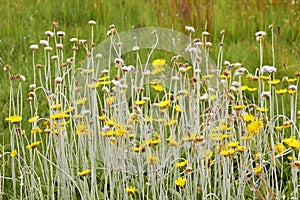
{"x": 44, "y": 43}
{"x": 59, "y": 46}
{"x": 58, "y": 80}
{"x": 73, "y": 40}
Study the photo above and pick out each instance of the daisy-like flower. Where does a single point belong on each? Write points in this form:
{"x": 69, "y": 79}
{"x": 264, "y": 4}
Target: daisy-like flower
{"x": 81, "y": 101}
{"x": 14, "y": 119}
{"x": 33, "y": 145}
{"x": 248, "y": 118}
{"x": 84, "y": 172}
{"x": 190, "y": 28}
{"x": 152, "y": 160}
{"x": 292, "y": 142}
{"x": 279, "y": 148}
{"x": 35, "y": 130}
{"x": 257, "y": 169}
{"x": 241, "y": 148}
{"x": 81, "y": 129}
{"x": 181, "y": 164}
{"x": 13, "y": 153}
{"x": 180, "y": 181}
{"x": 159, "y": 62}
{"x": 131, "y": 190}
{"x": 238, "y": 107}
{"x": 281, "y": 91}
{"x": 164, "y": 104}
{"x": 158, "y": 87}
{"x": 254, "y": 127}
{"x": 233, "y": 144}
{"x": 268, "y": 69}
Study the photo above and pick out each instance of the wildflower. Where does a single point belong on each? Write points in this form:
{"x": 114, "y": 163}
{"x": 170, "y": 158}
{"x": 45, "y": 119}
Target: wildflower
{"x": 178, "y": 108}
{"x": 164, "y": 104}
{"x": 171, "y": 122}
{"x": 58, "y": 80}
{"x": 251, "y": 89}
{"x": 181, "y": 164}
{"x": 190, "y": 28}
{"x": 13, "y": 119}
{"x": 241, "y": 148}
{"x": 81, "y": 101}
{"x": 44, "y": 43}
{"x": 152, "y": 160}
{"x": 281, "y": 91}
{"x": 268, "y": 69}
{"x": 49, "y": 33}
{"x": 257, "y": 169}
{"x": 159, "y": 62}
{"x": 110, "y": 122}
{"x": 292, "y": 142}
{"x": 158, "y": 87}
{"x": 261, "y": 109}
{"x": 291, "y": 80}
{"x": 265, "y": 94}
{"x": 254, "y": 127}
{"x": 60, "y": 33}
{"x": 35, "y": 130}
{"x": 84, "y": 172}
{"x": 55, "y": 107}
{"x": 292, "y": 89}
{"x": 274, "y": 82}
{"x": 92, "y": 22}
{"x": 227, "y": 152}
{"x": 278, "y": 128}
{"x": 34, "y": 47}
{"x": 248, "y": 118}
{"x": 172, "y": 141}
{"x": 260, "y": 35}
{"x": 131, "y": 190}
{"x": 296, "y": 163}
{"x": 287, "y": 124}
{"x": 279, "y": 148}
{"x": 204, "y": 97}
{"x": 265, "y": 78}
{"x": 59, "y": 116}
{"x": 13, "y": 153}
{"x": 238, "y": 107}
{"x": 180, "y": 181}
{"x": 33, "y": 145}
{"x": 233, "y": 144}
{"x": 81, "y": 129}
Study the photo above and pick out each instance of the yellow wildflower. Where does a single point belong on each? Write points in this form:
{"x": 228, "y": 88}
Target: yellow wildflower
{"x": 279, "y": 148}
{"x": 140, "y": 102}
{"x": 164, "y": 103}
{"x": 265, "y": 78}
{"x": 33, "y": 119}
{"x": 251, "y": 89}
{"x": 152, "y": 160}
{"x": 241, "y": 148}
{"x": 172, "y": 141}
{"x": 281, "y": 91}
{"x": 257, "y": 169}
{"x": 84, "y": 172}
{"x": 248, "y": 118}
{"x": 292, "y": 142}
{"x": 180, "y": 181}
{"x": 13, "y": 119}
{"x": 159, "y": 62}
{"x": 81, "y": 129}
{"x": 13, "y": 153}
{"x": 103, "y": 78}
{"x": 131, "y": 190}
{"x": 244, "y": 87}
{"x": 35, "y": 130}
{"x": 33, "y": 145}
{"x": 102, "y": 117}
{"x": 178, "y": 108}
{"x": 59, "y": 115}
{"x": 254, "y": 127}
{"x": 291, "y": 80}
{"x": 158, "y": 87}
{"x": 55, "y": 107}
{"x": 261, "y": 109}
{"x": 172, "y": 122}
{"x": 81, "y": 101}
{"x": 274, "y": 82}
{"x": 238, "y": 107}
{"x": 233, "y": 144}
{"x": 181, "y": 164}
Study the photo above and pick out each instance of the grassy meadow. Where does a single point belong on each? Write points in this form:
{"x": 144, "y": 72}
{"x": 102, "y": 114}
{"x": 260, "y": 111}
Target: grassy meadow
{"x": 147, "y": 124}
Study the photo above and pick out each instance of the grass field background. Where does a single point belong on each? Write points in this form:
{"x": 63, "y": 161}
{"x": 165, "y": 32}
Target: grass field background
{"x": 24, "y": 23}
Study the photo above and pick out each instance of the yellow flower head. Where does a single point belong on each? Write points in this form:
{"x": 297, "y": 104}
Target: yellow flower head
{"x": 254, "y": 127}
{"x": 35, "y": 130}
{"x": 13, "y": 119}
{"x": 13, "y": 153}
{"x": 238, "y": 107}
{"x": 180, "y": 181}
{"x": 292, "y": 142}
{"x": 158, "y": 87}
{"x": 131, "y": 190}
{"x": 152, "y": 160}
{"x": 257, "y": 169}
{"x": 159, "y": 62}
{"x": 33, "y": 119}
{"x": 84, "y": 172}
{"x": 33, "y": 145}
{"x": 81, "y": 101}
{"x": 233, "y": 144}
{"x": 181, "y": 164}
{"x": 164, "y": 103}
{"x": 248, "y": 118}
{"x": 279, "y": 148}
{"x": 241, "y": 148}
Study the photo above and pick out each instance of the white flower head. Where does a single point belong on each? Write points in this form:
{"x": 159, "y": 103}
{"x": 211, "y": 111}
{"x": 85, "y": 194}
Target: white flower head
{"x": 73, "y": 40}
{"x": 44, "y": 43}
{"x": 260, "y": 35}
{"x": 190, "y": 28}
{"x": 58, "y": 80}
{"x": 266, "y": 94}
{"x": 292, "y": 87}
{"x": 61, "y": 33}
{"x": 269, "y": 69}
{"x": 235, "y": 84}
{"x": 34, "y": 47}
{"x": 92, "y": 22}
{"x": 49, "y": 33}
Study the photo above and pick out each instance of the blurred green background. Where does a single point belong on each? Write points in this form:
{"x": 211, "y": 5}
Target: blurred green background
{"x": 23, "y": 22}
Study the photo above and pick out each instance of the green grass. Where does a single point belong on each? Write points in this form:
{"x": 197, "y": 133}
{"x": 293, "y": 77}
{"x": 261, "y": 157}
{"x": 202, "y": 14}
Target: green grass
{"x": 24, "y": 22}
